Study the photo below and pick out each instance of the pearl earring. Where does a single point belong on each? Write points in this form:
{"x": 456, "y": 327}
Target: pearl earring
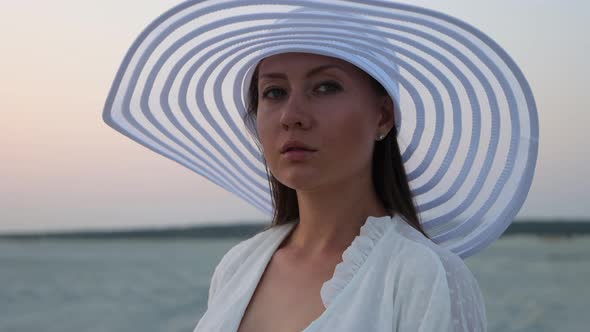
{"x": 380, "y": 137}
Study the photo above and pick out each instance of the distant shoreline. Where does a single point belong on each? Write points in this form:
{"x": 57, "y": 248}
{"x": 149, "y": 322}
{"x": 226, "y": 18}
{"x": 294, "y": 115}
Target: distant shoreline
{"x": 244, "y": 230}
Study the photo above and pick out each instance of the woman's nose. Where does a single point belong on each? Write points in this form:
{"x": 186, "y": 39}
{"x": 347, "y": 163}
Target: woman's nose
{"x": 294, "y": 112}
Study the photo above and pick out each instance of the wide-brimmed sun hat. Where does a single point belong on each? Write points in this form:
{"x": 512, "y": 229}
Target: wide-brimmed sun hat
{"x": 465, "y": 115}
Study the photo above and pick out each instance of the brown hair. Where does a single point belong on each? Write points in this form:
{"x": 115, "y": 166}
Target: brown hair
{"x": 388, "y": 172}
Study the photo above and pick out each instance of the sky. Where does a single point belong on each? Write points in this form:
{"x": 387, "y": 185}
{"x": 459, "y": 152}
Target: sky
{"x": 62, "y": 167}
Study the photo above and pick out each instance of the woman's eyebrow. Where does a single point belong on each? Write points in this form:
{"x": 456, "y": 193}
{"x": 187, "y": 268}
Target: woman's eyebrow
{"x": 310, "y": 73}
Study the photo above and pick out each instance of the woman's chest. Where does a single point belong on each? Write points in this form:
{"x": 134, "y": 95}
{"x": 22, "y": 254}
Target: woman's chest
{"x": 286, "y": 299}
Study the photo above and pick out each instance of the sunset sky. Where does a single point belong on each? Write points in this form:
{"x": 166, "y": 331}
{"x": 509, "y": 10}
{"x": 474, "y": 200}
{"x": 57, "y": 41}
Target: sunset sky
{"x": 62, "y": 167}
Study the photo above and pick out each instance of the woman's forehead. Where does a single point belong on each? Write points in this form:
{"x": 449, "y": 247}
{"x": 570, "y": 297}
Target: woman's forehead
{"x": 282, "y": 62}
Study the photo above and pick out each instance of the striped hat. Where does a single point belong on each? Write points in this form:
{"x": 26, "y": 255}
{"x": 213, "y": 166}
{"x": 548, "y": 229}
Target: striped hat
{"x": 465, "y": 115}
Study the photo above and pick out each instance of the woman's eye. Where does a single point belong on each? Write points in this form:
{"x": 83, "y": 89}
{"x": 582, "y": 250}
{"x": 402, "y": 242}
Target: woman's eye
{"x": 331, "y": 86}
{"x": 324, "y": 87}
{"x": 265, "y": 93}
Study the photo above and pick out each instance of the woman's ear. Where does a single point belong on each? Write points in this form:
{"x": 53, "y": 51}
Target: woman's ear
{"x": 387, "y": 115}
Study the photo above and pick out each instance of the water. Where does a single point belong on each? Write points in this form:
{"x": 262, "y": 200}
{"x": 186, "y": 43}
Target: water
{"x": 529, "y": 284}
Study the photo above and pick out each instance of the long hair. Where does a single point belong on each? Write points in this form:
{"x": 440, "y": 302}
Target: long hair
{"x": 388, "y": 172}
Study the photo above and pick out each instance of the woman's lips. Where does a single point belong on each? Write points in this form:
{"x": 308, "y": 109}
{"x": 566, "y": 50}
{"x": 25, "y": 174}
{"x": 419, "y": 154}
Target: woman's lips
{"x": 298, "y": 154}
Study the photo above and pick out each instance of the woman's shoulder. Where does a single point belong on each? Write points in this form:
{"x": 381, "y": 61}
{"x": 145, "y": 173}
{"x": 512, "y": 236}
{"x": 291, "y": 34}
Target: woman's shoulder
{"x": 238, "y": 253}
{"x": 420, "y": 259}
{"x": 422, "y": 251}
{"x": 425, "y": 262}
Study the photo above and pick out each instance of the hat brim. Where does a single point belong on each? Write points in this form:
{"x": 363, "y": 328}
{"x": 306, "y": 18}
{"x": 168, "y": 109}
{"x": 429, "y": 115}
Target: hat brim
{"x": 465, "y": 114}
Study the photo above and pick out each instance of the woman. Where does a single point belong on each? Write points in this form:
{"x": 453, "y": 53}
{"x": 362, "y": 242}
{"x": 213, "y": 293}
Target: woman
{"x": 370, "y": 120}
{"x": 337, "y": 111}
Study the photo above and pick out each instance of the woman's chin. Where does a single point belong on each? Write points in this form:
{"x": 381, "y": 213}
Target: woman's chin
{"x": 300, "y": 180}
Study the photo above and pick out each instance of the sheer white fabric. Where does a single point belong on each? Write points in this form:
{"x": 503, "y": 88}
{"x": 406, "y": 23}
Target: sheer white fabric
{"x": 468, "y": 310}
{"x": 391, "y": 278}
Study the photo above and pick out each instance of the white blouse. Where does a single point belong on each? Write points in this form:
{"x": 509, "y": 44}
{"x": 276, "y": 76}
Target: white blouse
{"x": 391, "y": 278}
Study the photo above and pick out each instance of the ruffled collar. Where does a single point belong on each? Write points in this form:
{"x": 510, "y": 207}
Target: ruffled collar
{"x": 354, "y": 256}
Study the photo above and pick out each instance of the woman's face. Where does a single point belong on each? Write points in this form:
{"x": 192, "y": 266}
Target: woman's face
{"x": 329, "y": 105}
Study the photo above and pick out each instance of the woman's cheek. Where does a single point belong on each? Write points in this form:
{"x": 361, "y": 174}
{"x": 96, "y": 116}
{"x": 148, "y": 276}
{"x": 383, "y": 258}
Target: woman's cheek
{"x": 269, "y": 135}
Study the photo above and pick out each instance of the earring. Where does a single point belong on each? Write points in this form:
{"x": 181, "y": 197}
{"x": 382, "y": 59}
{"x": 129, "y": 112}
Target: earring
{"x": 380, "y": 137}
